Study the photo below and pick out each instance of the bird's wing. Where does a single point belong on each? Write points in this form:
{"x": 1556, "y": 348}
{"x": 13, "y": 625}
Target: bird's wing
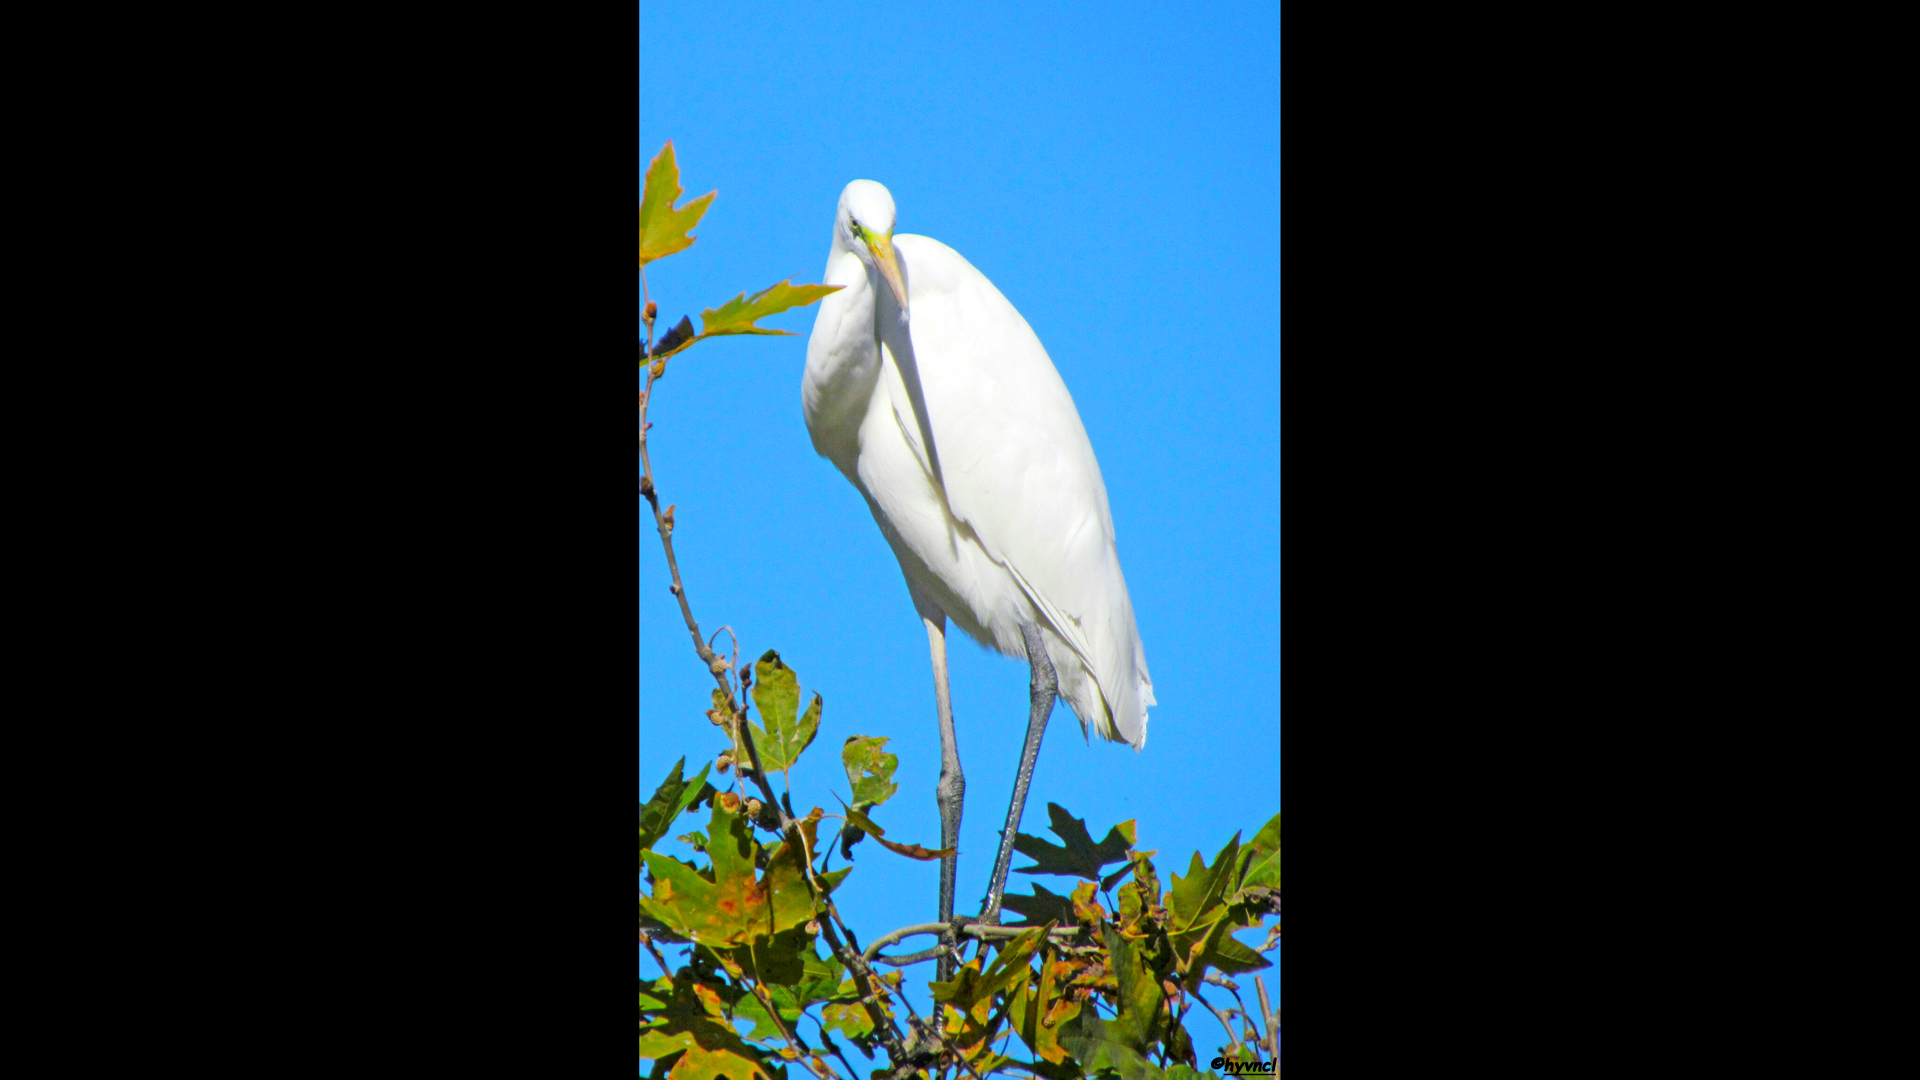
{"x": 1013, "y": 458}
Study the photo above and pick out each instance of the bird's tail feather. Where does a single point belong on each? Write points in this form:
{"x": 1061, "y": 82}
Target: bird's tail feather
{"x": 1113, "y": 662}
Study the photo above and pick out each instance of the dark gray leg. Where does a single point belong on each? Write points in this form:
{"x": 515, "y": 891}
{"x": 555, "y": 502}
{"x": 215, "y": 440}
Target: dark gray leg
{"x": 1041, "y": 690}
{"x": 952, "y": 787}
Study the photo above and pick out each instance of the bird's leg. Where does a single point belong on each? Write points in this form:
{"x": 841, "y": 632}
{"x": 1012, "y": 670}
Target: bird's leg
{"x": 953, "y": 786}
{"x": 1041, "y": 690}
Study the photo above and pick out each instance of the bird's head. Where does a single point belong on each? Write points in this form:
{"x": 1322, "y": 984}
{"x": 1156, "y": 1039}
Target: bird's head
{"x": 865, "y": 227}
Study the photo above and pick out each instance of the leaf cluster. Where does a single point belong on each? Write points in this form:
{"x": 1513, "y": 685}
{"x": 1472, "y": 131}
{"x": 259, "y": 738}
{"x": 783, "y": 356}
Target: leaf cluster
{"x": 751, "y": 912}
{"x": 1113, "y": 997}
{"x": 664, "y": 230}
{"x": 1088, "y": 989}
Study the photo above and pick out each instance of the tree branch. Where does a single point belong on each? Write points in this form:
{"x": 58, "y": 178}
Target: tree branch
{"x": 1225, "y": 1018}
{"x": 1268, "y": 1019}
{"x": 974, "y": 930}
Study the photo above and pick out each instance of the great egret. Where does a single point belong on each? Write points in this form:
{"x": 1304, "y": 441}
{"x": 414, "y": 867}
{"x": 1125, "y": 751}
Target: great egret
{"x": 936, "y": 400}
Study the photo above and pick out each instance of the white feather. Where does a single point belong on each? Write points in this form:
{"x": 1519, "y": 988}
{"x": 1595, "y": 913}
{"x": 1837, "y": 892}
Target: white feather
{"x": 955, "y": 426}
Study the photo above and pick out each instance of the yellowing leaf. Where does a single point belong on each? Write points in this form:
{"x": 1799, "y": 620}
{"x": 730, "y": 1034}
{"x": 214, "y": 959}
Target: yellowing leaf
{"x": 865, "y": 824}
{"x": 852, "y": 1019}
{"x": 737, "y": 315}
{"x": 1085, "y": 908}
{"x": 970, "y": 997}
{"x": 663, "y": 229}
{"x": 1037, "y": 1015}
{"x": 735, "y": 907}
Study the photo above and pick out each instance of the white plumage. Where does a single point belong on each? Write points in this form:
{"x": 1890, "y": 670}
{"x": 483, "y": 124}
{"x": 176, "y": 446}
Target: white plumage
{"x": 952, "y": 422}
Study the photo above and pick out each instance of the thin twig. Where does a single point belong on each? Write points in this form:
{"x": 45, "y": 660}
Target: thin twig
{"x": 920, "y": 957}
{"x": 1273, "y": 938}
{"x": 734, "y": 659}
{"x": 1267, "y": 1017}
{"x": 972, "y": 930}
{"x": 647, "y": 488}
{"x": 655, "y": 950}
{"x": 1225, "y": 1018}
{"x": 837, "y": 1052}
{"x": 1245, "y": 1016}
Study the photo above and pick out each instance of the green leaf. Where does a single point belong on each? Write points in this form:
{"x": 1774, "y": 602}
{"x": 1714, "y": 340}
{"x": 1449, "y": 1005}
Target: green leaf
{"x": 669, "y": 800}
{"x": 1195, "y": 895}
{"x": 794, "y": 900}
{"x": 869, "y": 769}
{"x": 663, "y": 1066}
{"x": 738, "y": 315}
{"x": 663, "y": 229}
{"x": 694, "y": 1024}
{"x": 776, "y": 960}
{"x": 1268, "y": 838}
{"x": 969, "y": 997}
{"x": 1141, "y": 997}
{"x": 1080, "y": 858}
{"x": 1092, "y": 1044}
{"x": 1205, "y": 916}
{"x": 819, "y": 980}
{"x": 764, "y": 1029}
{"x": 851, "y": 1019}
{"x": 1263, "y": 869}
{"x": 776, "y": 692}
{"x": 1234, "y": 958}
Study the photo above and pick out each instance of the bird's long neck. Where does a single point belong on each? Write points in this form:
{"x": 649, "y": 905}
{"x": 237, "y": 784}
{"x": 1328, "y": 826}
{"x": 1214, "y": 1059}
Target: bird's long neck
{"x": 843, "y": 361}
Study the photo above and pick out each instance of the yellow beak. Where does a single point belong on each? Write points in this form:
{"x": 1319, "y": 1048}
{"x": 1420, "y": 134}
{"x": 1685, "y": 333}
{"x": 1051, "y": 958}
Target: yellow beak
{"x": 882, "y": 248}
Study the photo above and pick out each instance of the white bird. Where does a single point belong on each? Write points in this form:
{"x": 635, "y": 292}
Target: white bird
{"x": 937, "y": 402}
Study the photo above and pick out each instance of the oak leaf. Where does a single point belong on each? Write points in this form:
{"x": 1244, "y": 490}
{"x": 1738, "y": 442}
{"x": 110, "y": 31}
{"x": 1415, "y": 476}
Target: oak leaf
{"x": 1081, "y": 857}
{"x": 776, "y": 693}
{"x": 738, "y": 315}
{"x": 693, "y": 1023}
{"x": 663, "y": 229}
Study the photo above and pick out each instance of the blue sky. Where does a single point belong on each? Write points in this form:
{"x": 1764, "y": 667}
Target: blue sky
{"x": 1116, "y": 172}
